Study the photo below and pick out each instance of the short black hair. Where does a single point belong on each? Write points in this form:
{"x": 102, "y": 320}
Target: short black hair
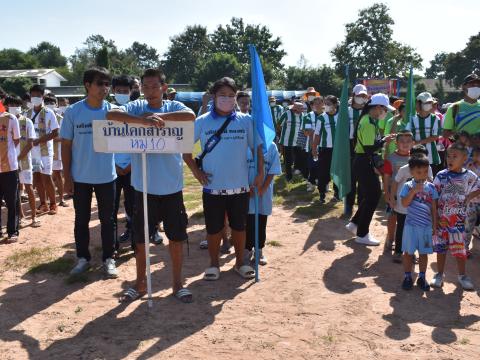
{"x": 96, "y": 73}
{"x": 26, "y": 97}
{"x": 242, "y": 94}
{"x": 225, "y": 81}
{"x": 418, "y": 162}
{"x": 13, "y": 100}
{"x": 50, "y": 98}
{"x": 419, "y": 150}
{"x": 61, "y": 98}
{"x": 37, "y": 88}
{"x": 392, "y": 99}
{"x": 458, "y": 147}
{"x": 122, "y": 80}
{"x": 332, "y": 98}
{"x": 154, "y": 73}
{"x": 404, "y": 133}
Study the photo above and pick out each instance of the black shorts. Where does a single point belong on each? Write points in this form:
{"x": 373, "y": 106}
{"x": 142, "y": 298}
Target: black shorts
{"x": 215, "y": 207}
{"x": 168, "y": 209}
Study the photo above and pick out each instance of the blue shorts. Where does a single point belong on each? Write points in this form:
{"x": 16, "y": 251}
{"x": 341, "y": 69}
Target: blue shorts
{"x": 417, "y": 238}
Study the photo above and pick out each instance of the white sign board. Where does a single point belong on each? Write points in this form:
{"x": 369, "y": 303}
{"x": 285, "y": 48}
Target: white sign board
{"x": 118, "y": 137}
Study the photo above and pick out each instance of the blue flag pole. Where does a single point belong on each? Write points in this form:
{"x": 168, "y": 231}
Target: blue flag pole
{"x": 255, "y": 160}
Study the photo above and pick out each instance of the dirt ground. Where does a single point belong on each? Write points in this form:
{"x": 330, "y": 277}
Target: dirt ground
{"x": 320, "y": 297}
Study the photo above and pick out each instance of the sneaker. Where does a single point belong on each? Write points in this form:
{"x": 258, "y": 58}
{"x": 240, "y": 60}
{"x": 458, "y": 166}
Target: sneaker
{"x": 110, "y": 268}
{"x": 24, "y": 198}
{"x": 204, "y": 244}
{"x": 437, "y": 280}
{"x": 310, "y": 187}
{"x": 247, "y": 257}
{"x": 12, "y": 239}
{"x": 262, "y": 259}
{"x": 397, "y": 258}
{"x": 157, "y": 238}
{"x": 407, "y": 283}
{"x": 125, "y": 236}
{"x": 367, "y": 240}
{"x": 352, "y": 228}
{"x": 466, "y": 282}
{"x": 296, "y": 172}
{"x": 423, "y": 284}
{"x": 82, "y": 266}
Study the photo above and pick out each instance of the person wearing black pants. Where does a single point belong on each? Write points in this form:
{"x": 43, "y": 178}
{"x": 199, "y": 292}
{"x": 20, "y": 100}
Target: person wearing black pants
{"x": 301, "y": 160}
{"x": 262, "y": 231}
{"x": 399, "y": 233}
{"x": 288, "y": 154}
{"x": 123, "y": 183}
{"x": 368, "y": 144}
{"x": 9, "y": 192}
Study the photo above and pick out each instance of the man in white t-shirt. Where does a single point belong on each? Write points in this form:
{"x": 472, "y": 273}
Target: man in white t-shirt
{"x": 46, "y": 128}
{"x": 9, "y": 139}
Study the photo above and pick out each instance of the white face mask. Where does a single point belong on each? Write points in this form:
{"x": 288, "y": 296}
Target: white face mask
{"x": 51, "y": 106}
{"x": 328, "y": 108}
{"x": 272, "y": 103}
{"x": 427, "y": 107}
{"x": 61, "y": 109}
{"x": 310, "y": 98}
{"x": 359, "y": 100}
{"x": 36, "y": 101}
{"x": 15, "y": 110}
{"x": 122, "y": 98}
{"x": 473, "y": 92}
{"x": 225, "y": 104}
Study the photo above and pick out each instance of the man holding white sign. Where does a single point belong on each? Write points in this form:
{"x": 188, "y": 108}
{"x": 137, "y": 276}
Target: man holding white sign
{"x": 164, "y": 183}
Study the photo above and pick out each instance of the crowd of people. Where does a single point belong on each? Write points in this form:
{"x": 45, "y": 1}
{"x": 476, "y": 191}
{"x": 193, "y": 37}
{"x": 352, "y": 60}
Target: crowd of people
{"x": 426, "y": 166}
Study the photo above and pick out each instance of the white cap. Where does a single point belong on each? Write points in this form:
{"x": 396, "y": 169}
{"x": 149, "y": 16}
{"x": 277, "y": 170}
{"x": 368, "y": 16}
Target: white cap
{"x": 381, "y": 99}
{"x": 425, "y": 97}
{"x": 360, "y": 89}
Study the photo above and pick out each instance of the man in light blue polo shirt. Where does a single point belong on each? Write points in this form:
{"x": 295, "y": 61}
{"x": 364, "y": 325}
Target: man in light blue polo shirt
{"x": 164, "y": 182}
{"x": 87, "y": 171}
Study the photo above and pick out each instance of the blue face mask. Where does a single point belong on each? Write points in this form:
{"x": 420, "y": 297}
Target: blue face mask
{"x": 122, "y": 99}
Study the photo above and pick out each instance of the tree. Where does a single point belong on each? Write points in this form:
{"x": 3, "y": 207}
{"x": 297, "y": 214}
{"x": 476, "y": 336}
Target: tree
{"x": 235, "y": 37}
{"x": 460, "y": 64}
{"x": 185, "y": 53}
{"x": 217, "y": 66}
{"x": 436, "y": 70}
{"x": 370, "y": 50}
{"x": 48, "y": 55}
{"x": 13, "y": 59}
{"x": 323, "y": 78}
{"x": 18, "y": 86}
{"x": 144, "y": 55}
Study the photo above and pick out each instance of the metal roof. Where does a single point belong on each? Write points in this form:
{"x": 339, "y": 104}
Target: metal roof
{"x": 31, "y": 73}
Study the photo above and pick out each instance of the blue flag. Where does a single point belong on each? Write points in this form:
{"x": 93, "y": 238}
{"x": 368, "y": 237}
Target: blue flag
{"x": 261, "y": 114}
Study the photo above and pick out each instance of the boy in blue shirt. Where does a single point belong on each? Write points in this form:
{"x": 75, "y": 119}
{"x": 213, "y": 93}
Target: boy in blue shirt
{"x": 164, "y": 182}
{"x": 272, "y": 165}
{"x": 87, "y": 171}
{"x": 419, "y": 196}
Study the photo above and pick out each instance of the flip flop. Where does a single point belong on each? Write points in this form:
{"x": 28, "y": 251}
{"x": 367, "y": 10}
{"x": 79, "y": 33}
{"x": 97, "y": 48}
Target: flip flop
{"x": 184, "y": 295}
{"x": 245, "y": 271}
{"x": 212, "y": 274}
{"x": 131, "y": 295}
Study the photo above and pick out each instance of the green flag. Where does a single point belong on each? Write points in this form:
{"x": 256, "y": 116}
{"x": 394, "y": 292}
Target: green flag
{"x": 340, "y": 168}
{"x": 410, "y": 99}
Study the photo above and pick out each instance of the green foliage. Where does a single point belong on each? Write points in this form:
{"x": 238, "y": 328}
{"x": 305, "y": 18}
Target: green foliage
{"x": 48, "y": 55}
{"x": 460, "y": 64}
{"x": 13, "y": 59}
{"x": 369, "y": 47}
{"x": 323, "y": 78}
{"x": 18, "y": 86}
{"x": 216, "y": 66}
{"x": 436, "y": 70}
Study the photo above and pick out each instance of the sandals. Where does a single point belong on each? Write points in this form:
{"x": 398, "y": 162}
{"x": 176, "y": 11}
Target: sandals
{"x": 43, "y": 208}
{"x": 212, "y": 274}
{"x": 35, "y": 223}
{"x": 184, "y": 295}
{"x": 131, "y": 295}
{"x": 245, "y": 271}
{"x": 53, "y": 209}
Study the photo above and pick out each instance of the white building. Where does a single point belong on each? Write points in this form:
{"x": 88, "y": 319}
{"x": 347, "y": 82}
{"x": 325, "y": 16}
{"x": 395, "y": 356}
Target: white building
{"x": 45, "y": 77}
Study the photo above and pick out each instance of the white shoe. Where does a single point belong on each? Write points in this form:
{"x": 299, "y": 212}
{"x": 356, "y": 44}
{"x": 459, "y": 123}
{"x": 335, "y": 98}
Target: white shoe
{"x": 466, "y": 282}
{"x": 82, "y": 266}
{"x": 310, "y": 187}
{"x": 110, "y": 268}
{"x": 297, "y": 172}
{"x": 204, "y": 244}
{"x": 262, "y": 258}
{"x": 367, "y": 240}
{"x": 437, "y": 280}
{"x": 352, "y": 228}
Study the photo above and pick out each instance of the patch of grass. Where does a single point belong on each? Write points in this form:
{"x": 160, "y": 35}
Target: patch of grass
{"x": 274, "y": 243}
{"x": 78, "y": 310}
{"x": 328, "y": 339}
{"x": 192, "y": 196}
{"x": 465, "y": 341}
{"x": 192, "y": 205}
{"x": 197, "y": 215}
{"x": 29, "y": 258}
{"x": 58, "y": 266}
{"x": 61, "y": 328}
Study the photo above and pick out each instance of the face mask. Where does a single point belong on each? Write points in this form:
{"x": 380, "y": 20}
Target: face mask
{"x": 272, "y": 104}
{"x": 427, "y": 107}
{"x": 122, "y": 98}
{"x": 51, "y": 106}
{"x": 359, "y": 100}
{"x": 328, "y": 108}
{"x": 285, "y": 104}
{"x": 473, "y": 92}
{"x": 36, "y": 101}
{"x": 15, "y": 110}
{"x": 61, "y": 109}
{"x": 310, "y": 98}
{"x": 225, "y": 103}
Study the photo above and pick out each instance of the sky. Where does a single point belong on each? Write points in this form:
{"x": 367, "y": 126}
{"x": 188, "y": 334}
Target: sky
{"x": 309, "y": 28}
